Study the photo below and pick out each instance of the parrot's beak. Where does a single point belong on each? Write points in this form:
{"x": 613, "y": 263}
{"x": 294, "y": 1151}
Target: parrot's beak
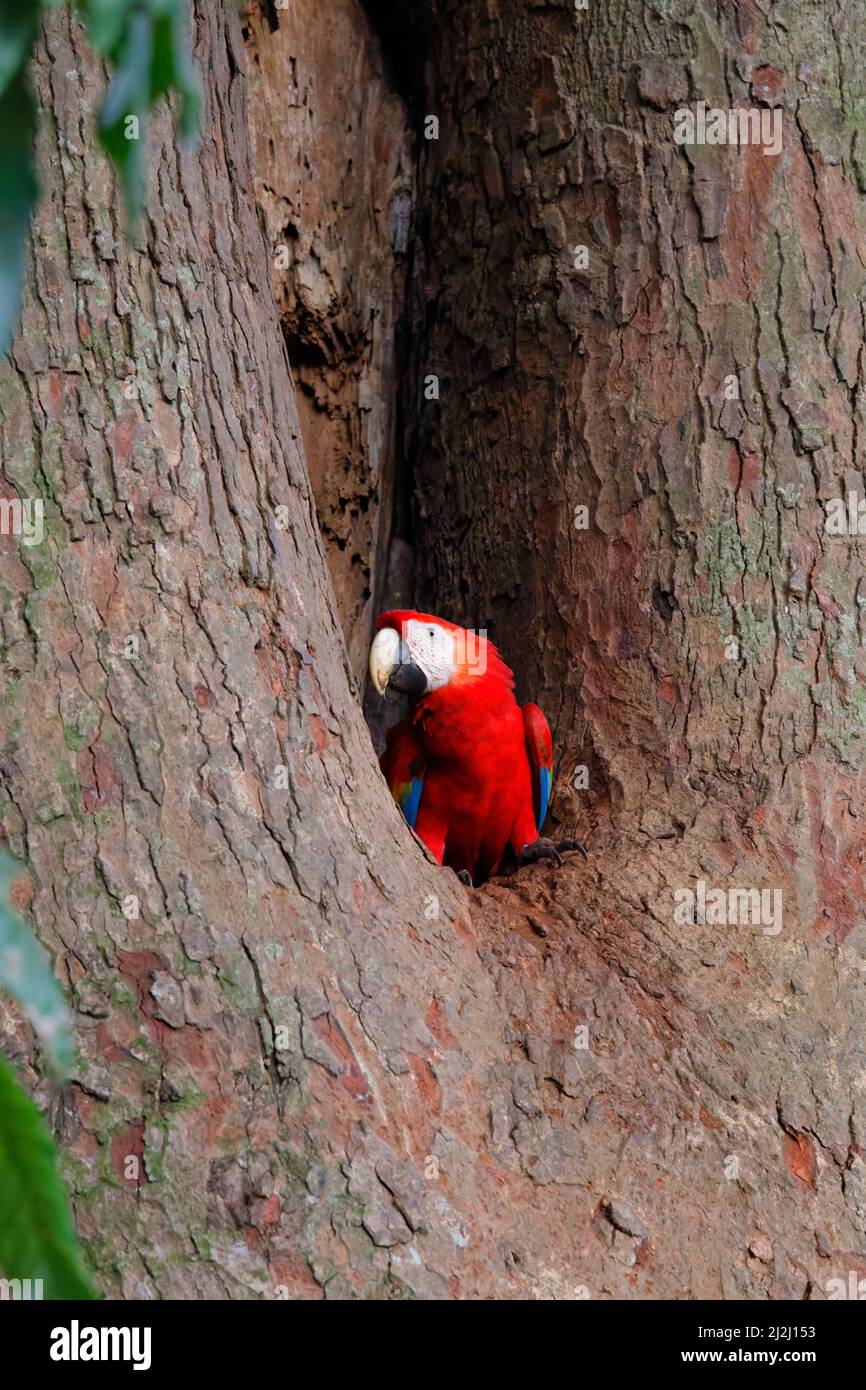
{"x": 391, "y": 665}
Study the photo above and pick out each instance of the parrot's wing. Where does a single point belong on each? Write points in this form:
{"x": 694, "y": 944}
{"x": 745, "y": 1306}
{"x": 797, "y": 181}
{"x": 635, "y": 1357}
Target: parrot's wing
{"x": 403, "y": 766}
{"x": 539, "y": 745}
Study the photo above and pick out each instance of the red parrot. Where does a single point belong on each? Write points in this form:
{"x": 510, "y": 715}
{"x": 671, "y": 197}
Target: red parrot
{"x": 470, "y": 770}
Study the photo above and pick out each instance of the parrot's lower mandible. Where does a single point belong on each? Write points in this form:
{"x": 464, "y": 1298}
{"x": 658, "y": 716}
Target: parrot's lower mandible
{"x": 470, "y": 769}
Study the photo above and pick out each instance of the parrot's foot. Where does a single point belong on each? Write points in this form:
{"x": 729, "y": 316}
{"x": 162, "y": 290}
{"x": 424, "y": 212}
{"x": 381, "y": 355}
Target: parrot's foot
{"x": 539, "y": 849}
{"x": 565, "y": 845}
{"x": 465, "y": 878}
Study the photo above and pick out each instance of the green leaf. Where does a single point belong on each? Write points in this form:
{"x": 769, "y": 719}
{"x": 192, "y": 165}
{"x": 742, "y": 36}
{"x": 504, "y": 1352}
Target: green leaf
{"x": 25, "y": 971}
{"x": 104, "y": 22}
{"x": 122, "y": 118}
{"x": 19, "y": 25}
{"x": 18, "y": 193}
{"x": 146, "y": 42}
{"x": 147, "y": 45}
{"x": 172, "y": 66}
{"x": 37, "y": 1240}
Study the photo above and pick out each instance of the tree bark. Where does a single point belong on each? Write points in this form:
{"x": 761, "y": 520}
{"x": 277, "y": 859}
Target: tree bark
{"x": 186, "y": 772}
{"x": 311, "y": 1064}
{"x": 672, "y": 338}
{"x": 694, "y": 381}
{"x": 334, "y": 174}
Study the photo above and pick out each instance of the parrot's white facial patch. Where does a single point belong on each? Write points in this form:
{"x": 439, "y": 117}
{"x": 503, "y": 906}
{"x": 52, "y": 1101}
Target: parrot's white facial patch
{"x": 432, "y": 648}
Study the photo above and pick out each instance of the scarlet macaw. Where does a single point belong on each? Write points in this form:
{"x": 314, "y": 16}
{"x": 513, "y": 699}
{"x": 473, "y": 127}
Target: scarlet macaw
{"x": 471, "y": 771}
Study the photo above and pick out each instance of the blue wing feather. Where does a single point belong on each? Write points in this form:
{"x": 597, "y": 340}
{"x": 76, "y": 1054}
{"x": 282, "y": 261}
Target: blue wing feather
{"x": 411, "y": 800}
{"x": 539, "y": 746}
{"x": 544, "y": 780}
{"x": 404, "y": 768}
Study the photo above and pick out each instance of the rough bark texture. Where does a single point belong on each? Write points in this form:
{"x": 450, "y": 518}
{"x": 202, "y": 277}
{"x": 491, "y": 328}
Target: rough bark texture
{"x": 334, "y": 174}
{"x": 341, "y": 1075}
{"x": 605, "y": 387}
{"x": 169, "y": 648}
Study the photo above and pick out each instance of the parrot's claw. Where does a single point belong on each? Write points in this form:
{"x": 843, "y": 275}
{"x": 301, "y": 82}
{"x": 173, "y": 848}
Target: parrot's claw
{"x": 465, "y": 878}
{"x": 565, "y": 845}
{"x": 542, "y": 848}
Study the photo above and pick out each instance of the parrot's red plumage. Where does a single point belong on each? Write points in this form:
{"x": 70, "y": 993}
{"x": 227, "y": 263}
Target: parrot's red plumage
{"x": 471, "y": 770}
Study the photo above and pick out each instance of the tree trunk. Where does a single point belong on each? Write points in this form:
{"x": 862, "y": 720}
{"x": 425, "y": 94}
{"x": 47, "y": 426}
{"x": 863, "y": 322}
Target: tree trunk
{"x": 311, "y": 1064}
{"x": 671, "y": 337}
{"x": 186, "y": 771}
